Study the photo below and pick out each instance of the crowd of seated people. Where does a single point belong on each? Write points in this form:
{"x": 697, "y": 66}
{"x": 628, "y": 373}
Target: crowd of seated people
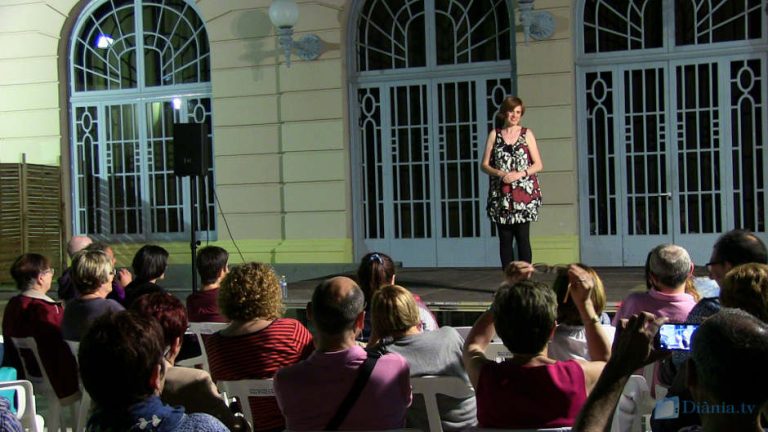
{"x": 561, "y": 373}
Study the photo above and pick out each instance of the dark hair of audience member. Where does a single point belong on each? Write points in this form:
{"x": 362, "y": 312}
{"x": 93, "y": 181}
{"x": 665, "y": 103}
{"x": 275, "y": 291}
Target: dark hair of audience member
{"x": 567, "y": 313}
{"x": 746, "y": 287}
{"x": 26, "y": 268}
{"x": 740, "y": 247}
{"x": 251, "y": 291}
{"x": 729, "y": 353}
{"x": 149, "y": 263}
{"x": 375, "y": 270}
{"x": 118, "y": 356}
{"x": 334, "y": 316}
{"x": 90, "y": 270}
{"x": 98, "y": 246}
{"x": 211, "y": 260}
{"x": 524, "y": 315}
{"x": 167, "y": 310}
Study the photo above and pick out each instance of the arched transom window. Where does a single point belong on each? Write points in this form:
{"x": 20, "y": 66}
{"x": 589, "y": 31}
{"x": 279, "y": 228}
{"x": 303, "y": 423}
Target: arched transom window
{"x": 137, "y": 67}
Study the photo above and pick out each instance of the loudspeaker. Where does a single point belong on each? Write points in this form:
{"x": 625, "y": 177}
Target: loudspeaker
{"x": 191, "y": 149}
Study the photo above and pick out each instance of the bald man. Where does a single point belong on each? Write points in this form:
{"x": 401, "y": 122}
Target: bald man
{"x": 66, "y": 289}
{"x": 310, "y": 393}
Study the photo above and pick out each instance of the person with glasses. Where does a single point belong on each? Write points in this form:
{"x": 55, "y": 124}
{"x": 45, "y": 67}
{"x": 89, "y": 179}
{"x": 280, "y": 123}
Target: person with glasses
{"x": 33, "y": 314}
{"x": 92, "y": 274}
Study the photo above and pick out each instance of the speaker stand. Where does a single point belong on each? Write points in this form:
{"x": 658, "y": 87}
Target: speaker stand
{"x": 194, "y": 242}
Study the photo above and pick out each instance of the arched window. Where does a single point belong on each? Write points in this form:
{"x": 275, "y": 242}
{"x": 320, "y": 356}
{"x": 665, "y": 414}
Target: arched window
{"x": 672, "y": 123}
{"x": 137, "y": 67}
{"x": 428, "y": 76}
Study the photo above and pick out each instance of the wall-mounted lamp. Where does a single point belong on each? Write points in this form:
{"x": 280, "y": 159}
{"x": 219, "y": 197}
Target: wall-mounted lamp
{"x": 284, "y": 14}
{"x": 536, "y": 24}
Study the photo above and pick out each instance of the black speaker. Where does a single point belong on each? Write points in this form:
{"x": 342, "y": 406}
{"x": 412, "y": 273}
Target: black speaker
{"x": 191, "y": 149}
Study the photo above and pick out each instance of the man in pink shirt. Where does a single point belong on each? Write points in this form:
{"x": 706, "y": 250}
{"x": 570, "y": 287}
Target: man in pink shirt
{"x": 670, "y": 267}
{"x": 310, "y": 392}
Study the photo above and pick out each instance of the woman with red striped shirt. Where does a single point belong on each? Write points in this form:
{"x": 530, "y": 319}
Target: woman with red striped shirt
{"x": 258, "y": 340}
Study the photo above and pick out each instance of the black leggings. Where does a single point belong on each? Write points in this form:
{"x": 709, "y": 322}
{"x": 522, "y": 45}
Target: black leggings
{"x": 509, "y": 234}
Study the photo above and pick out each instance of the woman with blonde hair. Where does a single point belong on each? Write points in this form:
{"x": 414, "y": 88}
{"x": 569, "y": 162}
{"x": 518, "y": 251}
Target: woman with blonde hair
{"x": 92, "y": 274}
{"x": 395, "y": 318}
{"x": 570, "y": 340}
{"x": 258, "y": 340}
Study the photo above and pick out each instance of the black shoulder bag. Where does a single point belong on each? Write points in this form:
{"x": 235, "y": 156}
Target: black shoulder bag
{"x": 354, "y": 393}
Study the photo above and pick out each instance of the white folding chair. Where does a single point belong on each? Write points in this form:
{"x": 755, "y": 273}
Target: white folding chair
{"x": 85, "y": 399}
{"x": 497, "y": 352}
{"x": 42, "y": 383}
{"x": 243, "y": 389}
{"x": 199, "y": 329}
{"x": 431, "y": 386}
{"x": 463, "y": 331}
{"x": 26, "y": 410}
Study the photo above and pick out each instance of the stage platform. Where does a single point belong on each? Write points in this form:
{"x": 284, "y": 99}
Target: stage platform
{"x": 471, "y": 289}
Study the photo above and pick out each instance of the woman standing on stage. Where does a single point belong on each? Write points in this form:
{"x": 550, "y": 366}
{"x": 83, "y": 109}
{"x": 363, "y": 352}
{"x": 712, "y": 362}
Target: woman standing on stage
{"x": 512, "y": 160}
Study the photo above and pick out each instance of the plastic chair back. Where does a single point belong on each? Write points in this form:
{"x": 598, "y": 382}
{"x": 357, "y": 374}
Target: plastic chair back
{"x": 40, "y": 381}
{"x": 199, "y": 329}
{"x": 431, "y": 386}
{"x": 26, "y": 410}
{"x": 497, "y": 351}
{"x": 85, "y": 399}
{"x": 243, "y": 389}
{"x": 634, "y": 404}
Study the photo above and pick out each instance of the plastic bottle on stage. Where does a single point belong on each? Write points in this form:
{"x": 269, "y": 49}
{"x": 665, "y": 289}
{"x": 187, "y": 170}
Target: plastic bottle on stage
{"x": 284, "y": 286}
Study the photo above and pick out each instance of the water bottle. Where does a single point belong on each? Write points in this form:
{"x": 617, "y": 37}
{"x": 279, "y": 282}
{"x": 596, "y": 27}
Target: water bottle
{"x": 284, "y": 286}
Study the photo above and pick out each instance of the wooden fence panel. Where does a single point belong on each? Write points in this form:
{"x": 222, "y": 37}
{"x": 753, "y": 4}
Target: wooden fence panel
{"x": 30, "y": 214}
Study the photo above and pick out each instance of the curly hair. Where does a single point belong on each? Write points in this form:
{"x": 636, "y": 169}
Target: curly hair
{"x": 251, "y": 291}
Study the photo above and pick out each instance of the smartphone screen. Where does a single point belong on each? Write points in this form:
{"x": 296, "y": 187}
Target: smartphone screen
{"x": 675, "y": 336}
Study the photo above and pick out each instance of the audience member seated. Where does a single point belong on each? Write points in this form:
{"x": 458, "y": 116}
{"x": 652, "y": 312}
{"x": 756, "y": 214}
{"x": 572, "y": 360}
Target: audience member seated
{"x": 66, "y": 289}
{"x": 670, "y": 268}
{"x": 395, "y": 318}
{"x": 8, "y": 420}
{"x": 92, "y": 274}
{"x": 33, "y": 314}
{"x": 257, "y": 341}
{"x": 191, "y": 388}
{"x": 531, "y": 390}
{"x": 149, "y": 265}
{"x": 122, "y": 276}
{"x": 744, "y": 287}
{"x": 570, "y": 339}
{"x": 377, "y": 270}
{"x": 731, "y": 249}
{"x": 202, "y": 306}
{"x": 319, "y": 393}
{"x": 728, "y": 358}
{"x": 122, "y": 368}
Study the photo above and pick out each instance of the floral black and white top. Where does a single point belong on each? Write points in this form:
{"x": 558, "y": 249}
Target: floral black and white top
{"x": 519, "y": 201}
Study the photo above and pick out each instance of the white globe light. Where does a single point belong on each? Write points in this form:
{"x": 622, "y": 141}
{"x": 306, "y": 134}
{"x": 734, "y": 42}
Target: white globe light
{"x": 283, "y": 13}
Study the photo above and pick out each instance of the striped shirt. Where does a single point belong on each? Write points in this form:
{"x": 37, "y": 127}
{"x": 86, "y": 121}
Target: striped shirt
{"x": 258, "y": 356}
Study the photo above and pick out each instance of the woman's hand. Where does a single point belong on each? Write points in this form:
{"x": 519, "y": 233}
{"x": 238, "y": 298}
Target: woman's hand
{"x": 512, "y": 176}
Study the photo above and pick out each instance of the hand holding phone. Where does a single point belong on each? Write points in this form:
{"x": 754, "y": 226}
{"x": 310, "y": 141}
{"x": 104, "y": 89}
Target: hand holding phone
{"x": 675, "y": 336}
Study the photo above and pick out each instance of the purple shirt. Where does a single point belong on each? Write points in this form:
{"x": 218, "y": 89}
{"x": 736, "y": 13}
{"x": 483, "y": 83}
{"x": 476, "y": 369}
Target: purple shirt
{"x": 310, "y": 392}
{"x": 673, "y": 306}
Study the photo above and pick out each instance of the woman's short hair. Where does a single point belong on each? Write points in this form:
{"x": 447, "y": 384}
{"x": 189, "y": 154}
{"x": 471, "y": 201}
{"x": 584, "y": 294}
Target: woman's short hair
{"x": 746, "y": 287}
{"x": 118, "y": 355}
{"x": 26, "y": 268}
{"x": 167, "y": 310}
{"x": 507, "y": 105}
{"x": 376, "y": 269}
{"x": 251, "y": 291}
{"x": 524, "y": 315}
{"x": 567, "y": 312}
{"x": 149, "y": 263}
{"x": 90, "y": 270}
{"x": 393, "y": 310}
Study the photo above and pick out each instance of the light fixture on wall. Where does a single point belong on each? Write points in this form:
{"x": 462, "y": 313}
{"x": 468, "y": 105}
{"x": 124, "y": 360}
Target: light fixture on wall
{"x": 284, "y": 14}
{"x": 536, "y": 24}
